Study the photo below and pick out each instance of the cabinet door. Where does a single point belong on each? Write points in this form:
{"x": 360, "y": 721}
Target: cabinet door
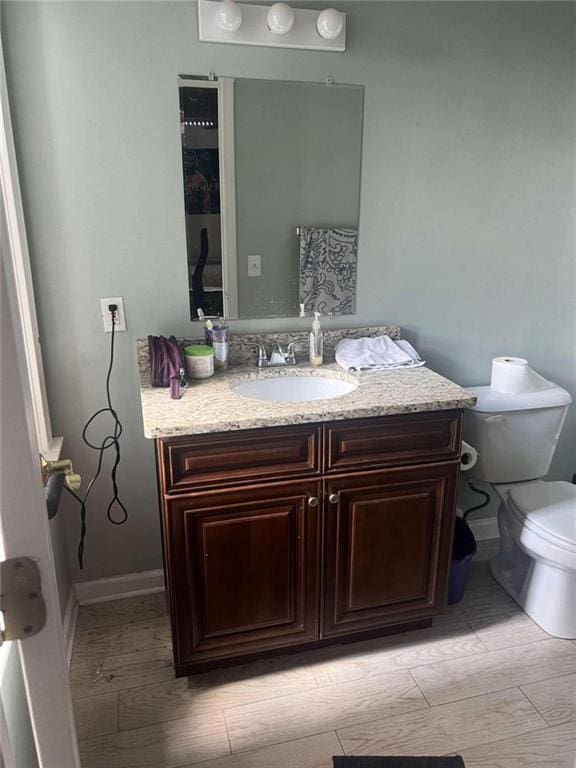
{"x": 388, "y": 542}
{"x": 242, "y": 570}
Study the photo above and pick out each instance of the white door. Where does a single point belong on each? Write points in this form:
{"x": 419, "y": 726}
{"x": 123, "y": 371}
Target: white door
{"x": 34, "y": 692}
{"x": 36, "y": 718}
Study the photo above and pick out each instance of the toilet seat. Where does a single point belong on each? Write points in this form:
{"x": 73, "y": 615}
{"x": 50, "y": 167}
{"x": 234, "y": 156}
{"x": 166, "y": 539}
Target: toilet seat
{"x": 548, "y": 509}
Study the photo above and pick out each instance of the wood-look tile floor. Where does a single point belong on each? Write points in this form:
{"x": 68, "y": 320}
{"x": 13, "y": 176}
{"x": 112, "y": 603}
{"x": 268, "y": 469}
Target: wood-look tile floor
{"x": 484, "y": 682}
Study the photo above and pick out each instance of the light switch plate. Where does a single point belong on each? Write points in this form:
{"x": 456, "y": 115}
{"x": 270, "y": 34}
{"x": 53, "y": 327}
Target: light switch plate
{"x": 255, "y": 266}
{"x": 120, "y": 324}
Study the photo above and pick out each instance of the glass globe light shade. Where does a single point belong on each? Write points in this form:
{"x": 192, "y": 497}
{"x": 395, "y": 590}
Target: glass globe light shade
{"x": 228, "y": 16}
{"x": 280, "y": 18}
{"x": 330, "y": 24}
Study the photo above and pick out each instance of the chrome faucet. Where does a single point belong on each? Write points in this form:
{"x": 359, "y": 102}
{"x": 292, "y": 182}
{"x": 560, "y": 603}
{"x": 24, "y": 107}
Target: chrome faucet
{"x": 280, "y": 355}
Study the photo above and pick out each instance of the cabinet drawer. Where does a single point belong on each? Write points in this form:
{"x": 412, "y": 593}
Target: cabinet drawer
{"x": 392, "y": 440}
{"x": 226, "y": 458}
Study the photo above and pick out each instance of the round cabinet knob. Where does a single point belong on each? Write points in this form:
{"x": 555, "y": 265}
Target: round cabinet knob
{"x": 313, "y": 501}
{"x": 334, "y": 498}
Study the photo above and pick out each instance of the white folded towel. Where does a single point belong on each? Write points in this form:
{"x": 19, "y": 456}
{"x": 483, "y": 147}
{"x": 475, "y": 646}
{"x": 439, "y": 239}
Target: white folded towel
{"x": 380, "y": 353}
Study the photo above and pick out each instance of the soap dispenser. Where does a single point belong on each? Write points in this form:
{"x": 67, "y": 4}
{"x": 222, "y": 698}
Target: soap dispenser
{"x": 316, "y": 342}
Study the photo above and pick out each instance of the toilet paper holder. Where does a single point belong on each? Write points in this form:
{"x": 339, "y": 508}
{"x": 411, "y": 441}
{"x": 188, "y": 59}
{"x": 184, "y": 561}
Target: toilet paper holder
{"x": 468, "y": 456}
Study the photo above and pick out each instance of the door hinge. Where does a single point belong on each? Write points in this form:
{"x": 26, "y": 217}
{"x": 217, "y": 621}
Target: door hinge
{"x": 21, "y": 601}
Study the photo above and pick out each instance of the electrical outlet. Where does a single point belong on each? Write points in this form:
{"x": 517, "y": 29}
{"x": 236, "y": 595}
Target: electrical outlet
{"x": 255, "y": 266}
{"x": 119, "y": 315}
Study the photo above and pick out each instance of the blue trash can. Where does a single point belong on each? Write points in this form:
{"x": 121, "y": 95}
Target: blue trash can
{"x": 463, "y": 550}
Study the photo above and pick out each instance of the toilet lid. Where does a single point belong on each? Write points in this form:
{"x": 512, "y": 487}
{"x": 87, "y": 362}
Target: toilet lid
{"x": 549, "y": 508}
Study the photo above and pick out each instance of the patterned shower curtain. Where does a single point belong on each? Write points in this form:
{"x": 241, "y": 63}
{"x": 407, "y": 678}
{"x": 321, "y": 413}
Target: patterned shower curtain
{"x": 328, "y": 270}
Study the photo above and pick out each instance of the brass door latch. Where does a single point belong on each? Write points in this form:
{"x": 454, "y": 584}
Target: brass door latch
{"x": 62, "y": 467}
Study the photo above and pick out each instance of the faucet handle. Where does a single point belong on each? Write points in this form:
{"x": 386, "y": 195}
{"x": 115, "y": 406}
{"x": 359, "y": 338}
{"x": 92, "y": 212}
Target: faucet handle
{"x": 262, "y": 356}
{"x": 291, "y": 353}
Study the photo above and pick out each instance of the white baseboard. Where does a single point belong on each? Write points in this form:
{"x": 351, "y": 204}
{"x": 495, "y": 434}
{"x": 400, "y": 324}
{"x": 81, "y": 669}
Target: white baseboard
{"x": 69, "y": 623}
{"x": 485, "y": 528}
{"x": 117, "y": 587}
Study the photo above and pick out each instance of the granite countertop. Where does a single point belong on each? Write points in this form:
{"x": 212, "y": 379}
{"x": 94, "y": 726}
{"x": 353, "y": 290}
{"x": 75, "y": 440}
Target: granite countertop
{"x": 210, "y": 405}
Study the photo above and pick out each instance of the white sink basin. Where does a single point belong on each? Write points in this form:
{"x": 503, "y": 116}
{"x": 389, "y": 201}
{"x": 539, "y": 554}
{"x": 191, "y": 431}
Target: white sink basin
{"x": 293, "y": 389}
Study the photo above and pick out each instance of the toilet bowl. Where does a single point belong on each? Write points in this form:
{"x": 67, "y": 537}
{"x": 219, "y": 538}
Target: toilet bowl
{"x": 536, "y": 564}
{"x": 516, "y": 436}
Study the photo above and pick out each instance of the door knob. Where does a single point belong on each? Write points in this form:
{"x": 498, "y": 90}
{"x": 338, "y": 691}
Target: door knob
{"x": 334, "y": 498}
{"x": 313, "y": 501}
{"x": 64, "y": 467}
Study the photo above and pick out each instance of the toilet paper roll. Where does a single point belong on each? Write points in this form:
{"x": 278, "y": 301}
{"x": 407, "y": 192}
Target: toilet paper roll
{"x": 513, "y": 376}
{"x": 468, "y": 456}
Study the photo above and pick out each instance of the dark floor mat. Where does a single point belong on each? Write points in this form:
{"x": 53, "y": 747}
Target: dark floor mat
{"x": 398, "y": 762}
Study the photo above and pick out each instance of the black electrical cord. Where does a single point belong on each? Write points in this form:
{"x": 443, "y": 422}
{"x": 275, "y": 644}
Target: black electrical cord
{"x": 478, "y": 506}
{"x": 110, "y": 441}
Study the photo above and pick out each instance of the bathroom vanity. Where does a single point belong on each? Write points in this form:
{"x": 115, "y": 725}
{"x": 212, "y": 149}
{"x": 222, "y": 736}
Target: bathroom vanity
{"x": 291, "y": 525}
{"x": 291, "y": 536}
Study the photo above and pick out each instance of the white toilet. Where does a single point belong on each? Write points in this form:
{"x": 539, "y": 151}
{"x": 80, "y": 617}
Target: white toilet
{"x": 516, "y": 436}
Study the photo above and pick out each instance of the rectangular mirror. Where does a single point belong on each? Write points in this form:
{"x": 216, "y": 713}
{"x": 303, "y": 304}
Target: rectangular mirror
{"x": 272, "y": 196}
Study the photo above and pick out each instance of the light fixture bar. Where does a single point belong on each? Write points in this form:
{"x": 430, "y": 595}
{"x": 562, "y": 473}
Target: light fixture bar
{"x": 255, "y": 30}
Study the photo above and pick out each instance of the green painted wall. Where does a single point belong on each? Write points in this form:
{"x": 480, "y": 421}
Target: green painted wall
{"x": 468, "y": 213}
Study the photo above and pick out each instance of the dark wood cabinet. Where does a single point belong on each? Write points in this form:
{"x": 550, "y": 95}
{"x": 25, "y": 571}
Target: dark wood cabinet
{"x": 243, "y": 570}
{"x": 392, "y": 441}
{"x": 189, "y": 463}
{"x": 272, "y": 542}
{"x": 386, "y": 535}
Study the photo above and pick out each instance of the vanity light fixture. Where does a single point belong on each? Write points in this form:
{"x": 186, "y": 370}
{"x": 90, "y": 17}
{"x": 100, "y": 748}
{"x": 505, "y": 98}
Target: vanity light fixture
{"x": 277, "y": 25}
{"x": 228, "y": 16}
{"x": 330, "y": 24}
{"x": 280, "y": 18}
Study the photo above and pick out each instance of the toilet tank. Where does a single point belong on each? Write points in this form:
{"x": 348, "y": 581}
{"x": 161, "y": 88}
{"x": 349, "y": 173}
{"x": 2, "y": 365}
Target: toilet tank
{"x": 515, "y": 435}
